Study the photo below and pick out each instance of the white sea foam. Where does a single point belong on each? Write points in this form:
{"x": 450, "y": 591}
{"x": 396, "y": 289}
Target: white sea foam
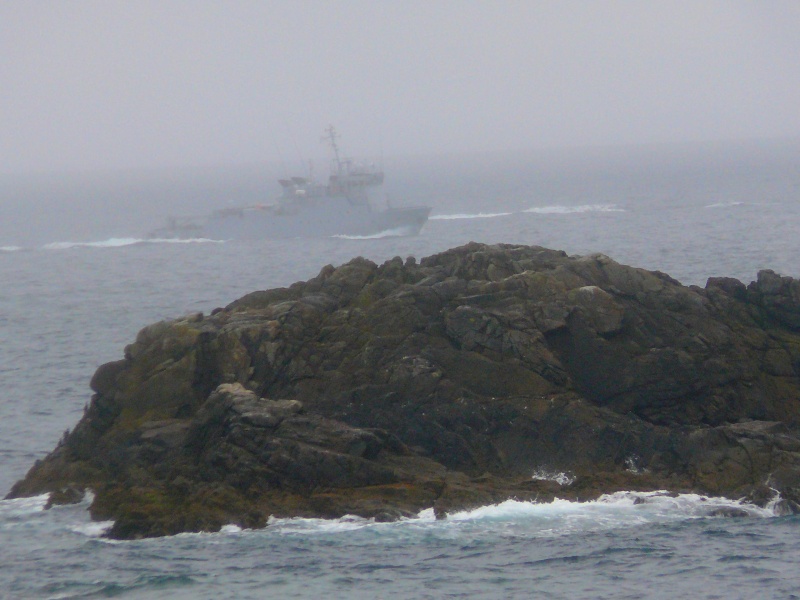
{"x": 20, "y": 507}
{"x": 534, "y": 519}
{"x": 632, "y": 464}
{"x": 565, "y": 209}
{"x": 624, "y": 506}
{"x": 182, "y": 241}
{"x": 561, "y": 478}
{"x": 387, "y": 233}
{"x": 468, "y": 216}
{"x": 299, "y": 525}
{"x": 109, "y": 243}
{"x": 122, "y": 242}
{"x": 724, "y": 204}
{"x": 10, "y": 248}
{"x": 29, "y": 514}
{"x": 559, "y": 517}
{"x": 93, "y": 529}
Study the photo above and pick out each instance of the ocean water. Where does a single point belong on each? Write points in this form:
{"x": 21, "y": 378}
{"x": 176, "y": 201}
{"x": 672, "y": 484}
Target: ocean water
{"x": 77, "y": 281}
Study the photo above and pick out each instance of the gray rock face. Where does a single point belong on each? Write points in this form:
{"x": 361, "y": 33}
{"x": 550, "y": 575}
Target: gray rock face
{"x": 447, "y": 383}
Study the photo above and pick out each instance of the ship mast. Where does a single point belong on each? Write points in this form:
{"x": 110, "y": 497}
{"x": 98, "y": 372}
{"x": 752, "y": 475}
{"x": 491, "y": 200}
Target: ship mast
{"x": 331, "y": 137}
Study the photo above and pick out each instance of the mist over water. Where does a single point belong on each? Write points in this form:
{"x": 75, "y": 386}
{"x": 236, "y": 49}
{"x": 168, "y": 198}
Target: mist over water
{"x": 117, "y": 115}
{"x": 96, "y": 206}
{"x": 110, "y": 84}
{"x": 79, "y": 279}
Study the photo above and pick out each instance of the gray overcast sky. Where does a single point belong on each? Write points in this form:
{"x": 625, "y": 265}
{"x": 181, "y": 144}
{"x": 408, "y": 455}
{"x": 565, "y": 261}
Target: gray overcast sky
{"x": 115, "y": 84}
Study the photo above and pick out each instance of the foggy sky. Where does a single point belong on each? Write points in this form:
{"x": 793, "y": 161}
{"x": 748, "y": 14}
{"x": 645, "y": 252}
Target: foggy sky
{"x": 112, "y": 84}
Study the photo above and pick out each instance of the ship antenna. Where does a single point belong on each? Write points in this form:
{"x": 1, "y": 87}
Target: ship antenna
{"x": 331, "y": 139}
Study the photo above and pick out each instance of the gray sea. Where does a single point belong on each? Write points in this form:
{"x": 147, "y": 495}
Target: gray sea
{"x": 78, "y": 280}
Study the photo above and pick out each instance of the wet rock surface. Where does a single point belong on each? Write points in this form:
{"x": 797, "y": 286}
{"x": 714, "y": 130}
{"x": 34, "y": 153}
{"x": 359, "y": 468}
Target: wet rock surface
{"x": 448, "y": 383}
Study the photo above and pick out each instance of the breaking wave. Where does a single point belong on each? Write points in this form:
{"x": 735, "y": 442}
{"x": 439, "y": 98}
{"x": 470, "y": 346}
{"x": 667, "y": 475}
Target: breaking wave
{"x": 724, "y": 204}
{"x": 182, "y": 241}
{"x": 122, "y": 242}
{"x": 386, "y": 233}
{"x": 10, "y": 248}
{"x": 515, "y": 518}
{"x": 468, "y": 216}
{"x": 559, "y": 209}
{"x": 92, "y": 529}
{"x": 620, "y": 509}
{"x": 559, "y": 517}
{"x": 18, "y": 508}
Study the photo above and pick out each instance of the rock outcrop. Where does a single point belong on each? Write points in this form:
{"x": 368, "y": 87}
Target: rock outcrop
{"x": 479, "y": 374}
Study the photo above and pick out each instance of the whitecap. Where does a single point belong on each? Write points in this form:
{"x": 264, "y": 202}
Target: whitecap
{"x": 10, "y": 248}
{"x": 559, "y": 209}
{"x": 345, "y": 524}
{"x": 182, "y": 241}
{"x": 536, "y": 519}
{"x": 92, "y": 529}
{"x": 558, "y": 517}
{"x": 386, "y": 233}
{"x": 20, "y": 507}
{"x": 426, "y": 515}
{"x": 468, "y": 216}
{"x": 301, "y": 525}
{"x": 122, "y": 242}
{"x": 724, "y": 204}
{"x": 109, "y": 243}
{"x": 623, "y": 507}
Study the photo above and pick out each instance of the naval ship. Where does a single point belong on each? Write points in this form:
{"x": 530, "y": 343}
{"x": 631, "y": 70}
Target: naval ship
{"x": 339, "y": 207}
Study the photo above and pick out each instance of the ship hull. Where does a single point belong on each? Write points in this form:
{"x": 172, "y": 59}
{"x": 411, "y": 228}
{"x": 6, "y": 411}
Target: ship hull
{"x": 337, "y": 218}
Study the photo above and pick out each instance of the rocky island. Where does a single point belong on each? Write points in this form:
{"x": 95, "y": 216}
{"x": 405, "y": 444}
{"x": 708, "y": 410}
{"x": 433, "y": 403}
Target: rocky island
{"x": 476, "y": 375}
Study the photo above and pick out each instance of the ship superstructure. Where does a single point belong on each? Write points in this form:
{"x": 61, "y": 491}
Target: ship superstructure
{"x": 341, "y": 206}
